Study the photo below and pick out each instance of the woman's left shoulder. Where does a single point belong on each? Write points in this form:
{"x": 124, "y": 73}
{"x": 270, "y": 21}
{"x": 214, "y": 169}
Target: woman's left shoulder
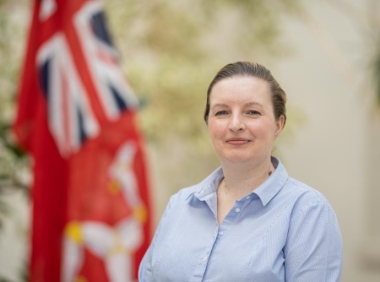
{"x": 305, "y": 196}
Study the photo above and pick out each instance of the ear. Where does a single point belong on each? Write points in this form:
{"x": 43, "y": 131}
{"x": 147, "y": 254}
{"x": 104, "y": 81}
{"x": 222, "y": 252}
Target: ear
{"x": 279, "y": 126}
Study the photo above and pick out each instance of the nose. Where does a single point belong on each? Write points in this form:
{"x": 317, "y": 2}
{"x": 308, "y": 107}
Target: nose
{"x": 236, "y": 123}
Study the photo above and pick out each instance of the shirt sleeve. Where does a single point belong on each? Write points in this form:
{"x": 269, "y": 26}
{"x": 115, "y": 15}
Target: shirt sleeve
{"x": 314, "y": 248}
{"x": 145, "y": 268}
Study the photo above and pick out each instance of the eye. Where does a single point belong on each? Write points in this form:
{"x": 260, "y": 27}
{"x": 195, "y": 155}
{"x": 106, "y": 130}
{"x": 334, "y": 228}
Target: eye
{"x": 253, "y": 112}
{"x": 220, "y": 113}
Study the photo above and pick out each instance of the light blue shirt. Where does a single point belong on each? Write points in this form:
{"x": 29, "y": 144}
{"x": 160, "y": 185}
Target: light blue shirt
{"x": 282, "y": 231}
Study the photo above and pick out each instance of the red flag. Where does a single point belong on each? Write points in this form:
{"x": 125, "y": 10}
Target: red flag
{"x": 76, "y": 116}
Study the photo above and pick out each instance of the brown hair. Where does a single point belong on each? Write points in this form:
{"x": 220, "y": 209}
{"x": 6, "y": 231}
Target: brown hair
{"x": 256, "y": 70}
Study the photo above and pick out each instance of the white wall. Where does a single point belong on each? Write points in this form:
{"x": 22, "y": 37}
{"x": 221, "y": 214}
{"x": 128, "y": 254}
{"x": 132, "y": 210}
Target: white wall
{"x": 325, "y": 79}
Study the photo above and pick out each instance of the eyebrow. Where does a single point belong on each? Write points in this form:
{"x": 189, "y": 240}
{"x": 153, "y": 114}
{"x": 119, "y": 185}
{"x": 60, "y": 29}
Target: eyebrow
{"x": 245, "y": 105}
{"x": 220, "y": 105}
{"x": 253, "y": 104}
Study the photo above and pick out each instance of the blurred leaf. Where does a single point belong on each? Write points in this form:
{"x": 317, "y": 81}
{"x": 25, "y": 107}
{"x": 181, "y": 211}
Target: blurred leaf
{"x": 376, "y": 71}
{"x": 12, "y": 159}
{"x": 172, "y": 49}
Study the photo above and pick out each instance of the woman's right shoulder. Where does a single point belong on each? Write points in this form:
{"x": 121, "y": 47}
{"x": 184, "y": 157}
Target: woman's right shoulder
{"x": 184, "y": 193}
{"x": 177, "y": 201}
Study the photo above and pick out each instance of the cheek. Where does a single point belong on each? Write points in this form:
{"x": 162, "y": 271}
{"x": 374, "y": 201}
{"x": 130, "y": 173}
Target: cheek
{"x": 264, "y": 130}
{"x": 215, "y": 129}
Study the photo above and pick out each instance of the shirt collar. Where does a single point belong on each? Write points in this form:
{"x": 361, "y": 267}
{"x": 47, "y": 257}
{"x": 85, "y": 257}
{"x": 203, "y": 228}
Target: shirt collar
{"x": 265, "y": 192}
{"x": 208, "y": 186}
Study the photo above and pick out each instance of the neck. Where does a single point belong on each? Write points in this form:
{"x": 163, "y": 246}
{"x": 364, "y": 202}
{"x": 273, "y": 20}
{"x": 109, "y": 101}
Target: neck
{"x": 240, "y": 180}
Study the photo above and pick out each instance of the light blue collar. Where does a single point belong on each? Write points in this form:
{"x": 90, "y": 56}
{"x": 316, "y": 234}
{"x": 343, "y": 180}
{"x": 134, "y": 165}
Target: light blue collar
{"x": 266, "y": 191}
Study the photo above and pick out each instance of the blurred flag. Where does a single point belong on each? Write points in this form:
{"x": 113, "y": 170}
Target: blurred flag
{"x": 76, "y": 116}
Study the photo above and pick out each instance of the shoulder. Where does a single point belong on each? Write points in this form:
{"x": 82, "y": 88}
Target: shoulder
{"x": 206, "y": 186}
{"x": 289, "y": 192}
{"x": 183, "y": 196}
{"x": 305, "y": 199}
{"x": 311, "y": 216}
{"x": 184, "y": 193}
{"x": 304, "y": 192}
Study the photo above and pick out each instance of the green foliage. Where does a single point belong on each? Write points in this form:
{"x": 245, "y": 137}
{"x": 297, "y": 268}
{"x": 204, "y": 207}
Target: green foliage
{"x": 13, "y": 162}
{"x": 172, "y": 49}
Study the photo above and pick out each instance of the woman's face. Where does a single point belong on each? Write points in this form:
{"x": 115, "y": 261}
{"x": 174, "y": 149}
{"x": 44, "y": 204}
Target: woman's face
{"x": 241, "y": 121}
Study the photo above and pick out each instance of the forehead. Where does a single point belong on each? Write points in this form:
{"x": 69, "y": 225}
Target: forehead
{"x": 241, "y": 89}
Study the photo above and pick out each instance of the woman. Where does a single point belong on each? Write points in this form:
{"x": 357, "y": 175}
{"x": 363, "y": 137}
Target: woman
{"x": 248, "y": 220}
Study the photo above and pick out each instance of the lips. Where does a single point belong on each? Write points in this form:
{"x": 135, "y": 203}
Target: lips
{"x": 238, "y": 141}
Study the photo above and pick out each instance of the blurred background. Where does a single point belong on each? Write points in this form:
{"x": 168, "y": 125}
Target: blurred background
{"x": 325, "y": 54}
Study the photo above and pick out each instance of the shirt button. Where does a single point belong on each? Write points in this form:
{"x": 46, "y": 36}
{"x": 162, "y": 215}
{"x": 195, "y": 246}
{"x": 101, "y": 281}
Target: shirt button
{"x": 221, "y": 233}
{"x": 237, "y": 210}
{"x": 248, "y": 197}
{"x": 204, "y": 258}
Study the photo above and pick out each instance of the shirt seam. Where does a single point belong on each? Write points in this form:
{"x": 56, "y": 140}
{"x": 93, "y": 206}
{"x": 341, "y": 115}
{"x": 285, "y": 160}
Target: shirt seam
{"x": 305, "y": 187}
{"x": 271, "y": 225}
{"x": 299, "y": 213}
{"x": 328, "y": 244}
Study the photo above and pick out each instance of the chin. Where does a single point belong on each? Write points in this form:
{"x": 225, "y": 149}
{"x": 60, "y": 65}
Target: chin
{"x": 236, "y": 158}
{"x": 243, "y": 157}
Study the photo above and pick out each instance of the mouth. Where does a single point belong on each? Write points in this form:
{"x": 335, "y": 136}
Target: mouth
{"x": 238, "y": 141}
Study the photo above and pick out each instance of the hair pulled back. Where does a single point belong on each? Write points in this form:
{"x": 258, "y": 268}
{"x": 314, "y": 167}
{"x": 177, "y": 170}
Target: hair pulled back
{"x": 255, "y": 70}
